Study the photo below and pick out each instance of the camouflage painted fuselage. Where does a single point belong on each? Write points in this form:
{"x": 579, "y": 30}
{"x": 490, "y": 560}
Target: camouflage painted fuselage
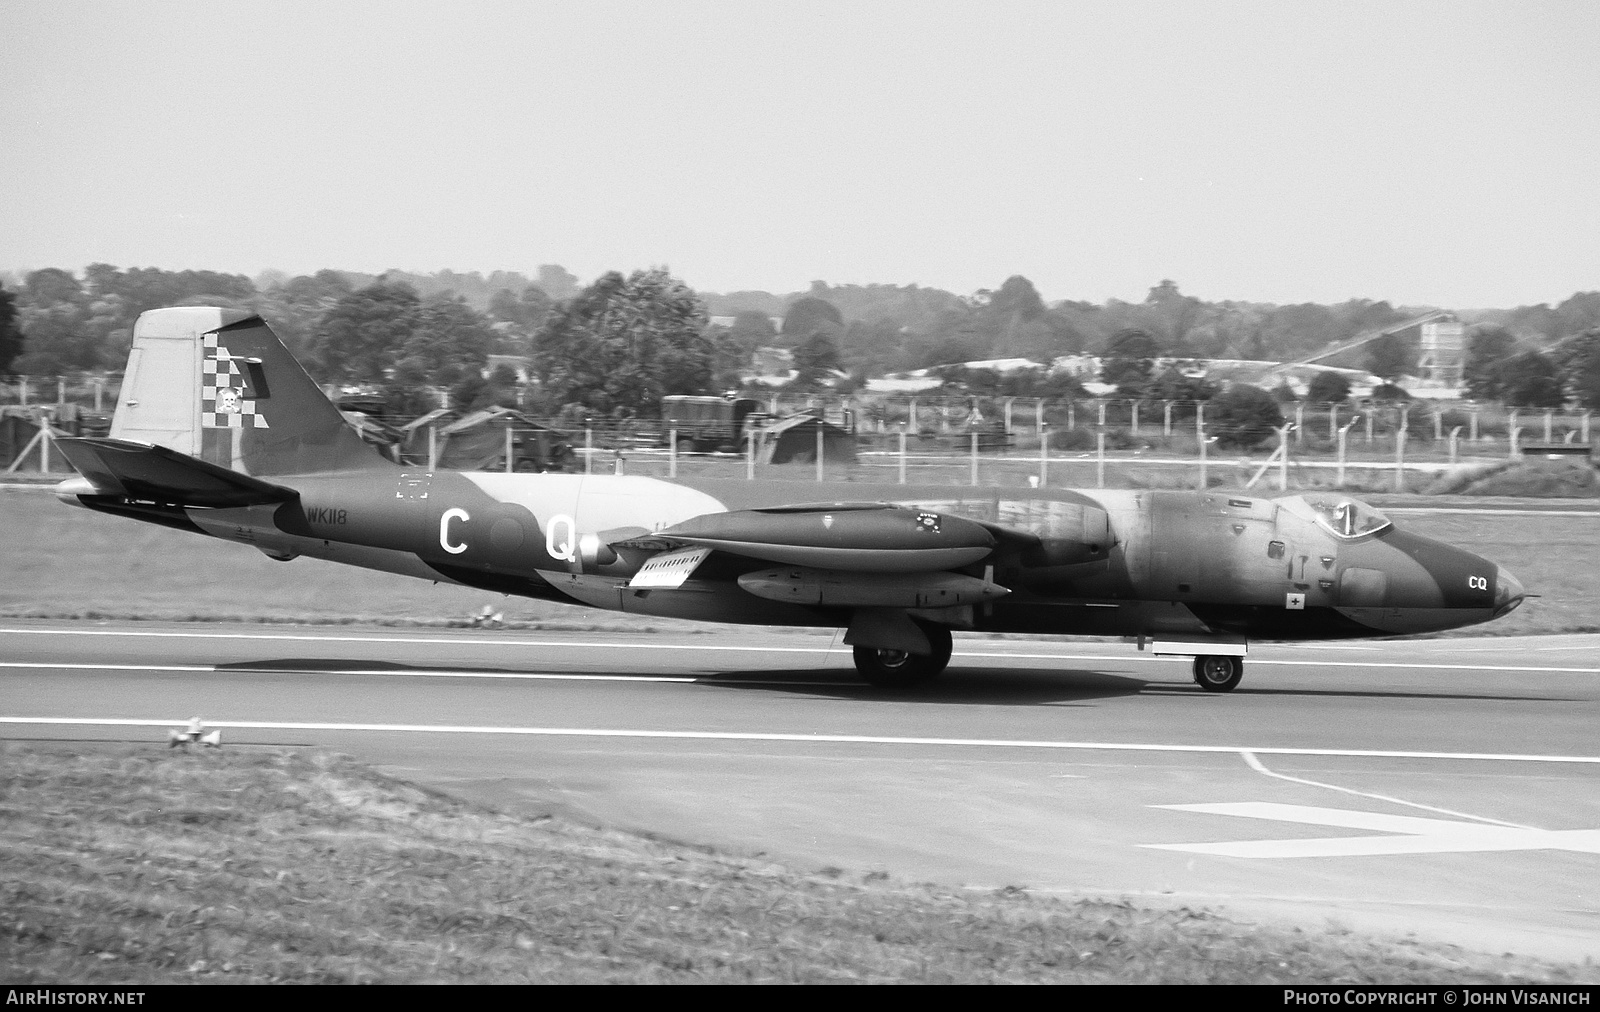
{"x": 219, "y": 431}
{"x": 1159, "y": 564}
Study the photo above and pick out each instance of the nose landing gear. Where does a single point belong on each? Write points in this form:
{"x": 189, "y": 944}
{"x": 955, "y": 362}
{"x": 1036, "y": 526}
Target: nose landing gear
{"x": 1218, "y": 673}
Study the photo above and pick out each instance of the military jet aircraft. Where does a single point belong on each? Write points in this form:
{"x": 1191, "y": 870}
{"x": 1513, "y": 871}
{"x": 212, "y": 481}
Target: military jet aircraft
{"x": 219, "y": 431}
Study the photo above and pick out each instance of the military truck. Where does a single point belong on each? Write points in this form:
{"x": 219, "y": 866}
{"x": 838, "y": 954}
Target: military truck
{"x": 709, "y": 424}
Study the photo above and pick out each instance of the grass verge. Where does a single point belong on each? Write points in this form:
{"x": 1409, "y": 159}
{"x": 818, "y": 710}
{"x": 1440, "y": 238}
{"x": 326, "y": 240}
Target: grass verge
{"x": 128, "y": 864}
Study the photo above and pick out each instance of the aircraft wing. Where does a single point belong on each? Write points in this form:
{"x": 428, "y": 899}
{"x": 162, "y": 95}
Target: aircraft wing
{"x": 119, "y": 467}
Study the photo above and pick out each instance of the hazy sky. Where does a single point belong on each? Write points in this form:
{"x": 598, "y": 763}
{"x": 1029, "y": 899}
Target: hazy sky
{"x": 1424, "y": 153}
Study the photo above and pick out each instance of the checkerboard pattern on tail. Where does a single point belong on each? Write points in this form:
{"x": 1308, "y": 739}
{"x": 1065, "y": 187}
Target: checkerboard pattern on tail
{"x": 223, "y": 404}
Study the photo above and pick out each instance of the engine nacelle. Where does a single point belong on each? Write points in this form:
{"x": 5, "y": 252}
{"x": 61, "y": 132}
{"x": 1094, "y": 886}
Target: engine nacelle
{"x": 854, "y": 537}
{"x": 800, "y": 585}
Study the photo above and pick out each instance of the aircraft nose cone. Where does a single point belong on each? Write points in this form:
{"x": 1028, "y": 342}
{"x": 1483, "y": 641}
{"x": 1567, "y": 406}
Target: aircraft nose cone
{"x": 1508, "y": 591}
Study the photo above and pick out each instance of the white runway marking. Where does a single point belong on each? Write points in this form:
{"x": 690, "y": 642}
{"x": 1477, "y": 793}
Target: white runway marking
{"x": 846, "y": 739}
{"x": 400, "y": 672}
{"x": 1415, "y": 835}
{"x": 109, "y": 667}
{"x": 764, "y": 649}
{"x": 1255, "y": 764}
{"x": 418, "y": 640}
{"x": 1487, "y": 511}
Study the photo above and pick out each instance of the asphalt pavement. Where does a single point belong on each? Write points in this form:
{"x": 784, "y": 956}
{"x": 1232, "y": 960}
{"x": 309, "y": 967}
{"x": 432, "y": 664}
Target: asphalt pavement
{"x": 1447, "y": 789}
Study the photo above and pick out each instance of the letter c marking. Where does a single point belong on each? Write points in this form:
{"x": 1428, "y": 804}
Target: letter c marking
{"x": 444, "y": 531}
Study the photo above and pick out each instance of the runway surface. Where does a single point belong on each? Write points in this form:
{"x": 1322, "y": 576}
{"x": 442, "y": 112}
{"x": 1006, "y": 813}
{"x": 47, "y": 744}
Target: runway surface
{"x": 1446, "y": 788}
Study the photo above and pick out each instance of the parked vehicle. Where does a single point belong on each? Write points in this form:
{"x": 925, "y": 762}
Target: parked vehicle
{"x": 710, "y": 424}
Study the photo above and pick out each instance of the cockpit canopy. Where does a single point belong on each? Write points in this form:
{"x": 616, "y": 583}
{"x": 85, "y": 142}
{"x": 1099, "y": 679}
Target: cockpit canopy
{"x": 1340, "y": 515}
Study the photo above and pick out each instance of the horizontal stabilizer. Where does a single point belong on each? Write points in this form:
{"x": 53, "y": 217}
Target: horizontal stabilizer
{"x": 119, "y": 467}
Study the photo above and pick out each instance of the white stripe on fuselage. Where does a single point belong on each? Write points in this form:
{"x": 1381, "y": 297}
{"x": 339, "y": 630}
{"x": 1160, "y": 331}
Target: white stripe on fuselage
{"x": 578, "y": 505}
{"x": 598, "y": 502}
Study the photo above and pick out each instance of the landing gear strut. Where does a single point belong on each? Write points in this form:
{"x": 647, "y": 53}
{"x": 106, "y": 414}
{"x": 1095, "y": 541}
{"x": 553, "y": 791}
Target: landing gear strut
{"x": 897, "y": 669}
{"x": 1218, "y": 673}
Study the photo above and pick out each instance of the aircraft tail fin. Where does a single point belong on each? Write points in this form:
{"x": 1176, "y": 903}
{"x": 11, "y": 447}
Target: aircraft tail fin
{"x": 218, "y": 385}
{"x": 116, "y": 467}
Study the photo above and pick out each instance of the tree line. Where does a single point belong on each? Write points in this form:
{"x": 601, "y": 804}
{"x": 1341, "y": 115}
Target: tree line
{"x": 616, "y": 346}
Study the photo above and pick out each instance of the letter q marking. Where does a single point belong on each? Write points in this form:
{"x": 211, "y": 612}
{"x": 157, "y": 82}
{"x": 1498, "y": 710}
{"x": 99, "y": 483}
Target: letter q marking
{"x": 444, "y": 530}
{"x": 1477, "y": 583}
{"x": 564, "y": 548}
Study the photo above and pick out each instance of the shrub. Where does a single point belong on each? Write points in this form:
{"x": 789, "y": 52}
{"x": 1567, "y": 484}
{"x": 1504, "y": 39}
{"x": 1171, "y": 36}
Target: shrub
{"x": 1243, "y": 417}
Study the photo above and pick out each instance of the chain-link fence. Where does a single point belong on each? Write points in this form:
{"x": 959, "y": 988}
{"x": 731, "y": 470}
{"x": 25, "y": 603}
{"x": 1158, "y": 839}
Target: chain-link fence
{"x": 998, "y": 441}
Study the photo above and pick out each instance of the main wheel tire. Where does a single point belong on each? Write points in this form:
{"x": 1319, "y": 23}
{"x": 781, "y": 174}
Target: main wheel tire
{"x": 897, "y": 669}
{"x": 1218, "y": 672}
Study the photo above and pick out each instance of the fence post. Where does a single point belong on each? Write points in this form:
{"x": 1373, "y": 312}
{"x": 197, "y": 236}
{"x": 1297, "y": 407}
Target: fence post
{"x": 1072, "y": 414}
{"x": 1300, "y": 422}
{"x": 1455, "y": 438}
{"x": 588, "y": 449}
{"x": 22, "y": 390}
{"x": 1166, "y": 419}
{"x": 1344, "y": 438}
{"x": 1283, "y": 457}
{"x": 1044, "y": 457}
{"x": 509, "y": 468}
{"x": 1369, "y": 426}
{"x": 1200, "y": 419}
{"x": 1136, "y": 416}
{"x": 99, "y": 391}
{"x": 1400, "y": 458}
{"x": 1102, "y": 414}
{"x": 902, "y": 455}
{"x": 974, "y": 456}
{"x": 1100, "y": 459}
{"x": 1204, "y": 480}
{"x": 1549, "y": 421}
{"x": 1472, "y": 436}
{"x": 44, "y": 445}
{"x": 1009, "y": 401}
{"x": 750, "y": 455}
{"x": 1586, "y": 415}
{"x": 672, "y": 450}
{"x": 1333, "y": 420}
{"x": 1516, "y": 442}
{"x": 819, "y": 449}
{"x": 1038, "y": 415}
{"x": 433, "y": 448}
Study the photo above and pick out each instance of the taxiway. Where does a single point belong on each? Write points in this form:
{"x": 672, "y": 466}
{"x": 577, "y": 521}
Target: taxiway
{"x": 1447, "y": 788}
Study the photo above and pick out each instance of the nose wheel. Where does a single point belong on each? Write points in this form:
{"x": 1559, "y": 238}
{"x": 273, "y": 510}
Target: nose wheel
{"x": 1217, "y": 673}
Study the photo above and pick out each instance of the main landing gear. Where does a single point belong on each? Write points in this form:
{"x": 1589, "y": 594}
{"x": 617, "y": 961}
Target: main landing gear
{"x": 1218, "y": 673}
{"x": 897, "y": 669}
